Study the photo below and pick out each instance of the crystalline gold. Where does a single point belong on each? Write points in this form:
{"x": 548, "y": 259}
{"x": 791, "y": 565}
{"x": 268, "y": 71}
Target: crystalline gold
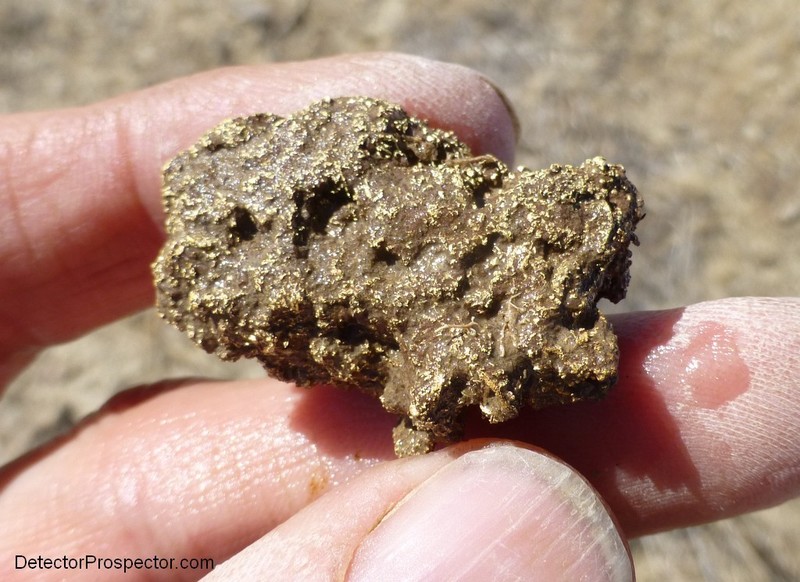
{"x": 353, "y": 245}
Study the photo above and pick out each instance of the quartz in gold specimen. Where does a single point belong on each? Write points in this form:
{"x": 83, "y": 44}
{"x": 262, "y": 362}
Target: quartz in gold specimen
{"x": 350, "y": 244}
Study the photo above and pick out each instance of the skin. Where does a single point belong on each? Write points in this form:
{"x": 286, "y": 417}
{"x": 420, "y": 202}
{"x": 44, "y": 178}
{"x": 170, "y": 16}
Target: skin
{"x": 302, "y": 484}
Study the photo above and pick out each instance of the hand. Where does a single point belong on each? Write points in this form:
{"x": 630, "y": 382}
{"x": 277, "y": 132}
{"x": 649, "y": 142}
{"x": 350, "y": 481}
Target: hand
{"x": 702, "y": 424}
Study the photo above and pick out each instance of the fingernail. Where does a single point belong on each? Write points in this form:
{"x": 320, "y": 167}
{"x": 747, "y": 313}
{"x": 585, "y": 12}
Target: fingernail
{"x": 512, "y": 113}
{"x": 498, "y": 513}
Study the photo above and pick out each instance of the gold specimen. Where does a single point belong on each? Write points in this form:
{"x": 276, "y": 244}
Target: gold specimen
{"x": 351, "y": 244}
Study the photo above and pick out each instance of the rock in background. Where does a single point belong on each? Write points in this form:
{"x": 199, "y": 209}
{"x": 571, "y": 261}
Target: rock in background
{"x": 697, "y": 100}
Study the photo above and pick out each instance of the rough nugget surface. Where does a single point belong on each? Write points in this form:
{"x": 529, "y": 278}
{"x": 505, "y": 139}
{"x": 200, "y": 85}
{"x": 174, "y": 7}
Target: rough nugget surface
{"x": 353, "y": 245}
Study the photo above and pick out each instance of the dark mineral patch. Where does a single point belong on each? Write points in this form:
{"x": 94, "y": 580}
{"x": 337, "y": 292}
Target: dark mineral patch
{"x": 353, "y": 245}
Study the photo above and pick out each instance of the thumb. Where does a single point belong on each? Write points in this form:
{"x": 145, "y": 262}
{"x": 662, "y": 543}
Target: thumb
{"x": 499, "y": 512}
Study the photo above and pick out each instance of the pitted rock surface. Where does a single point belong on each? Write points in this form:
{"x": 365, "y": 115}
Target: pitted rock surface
{"x": 351, "y": 244}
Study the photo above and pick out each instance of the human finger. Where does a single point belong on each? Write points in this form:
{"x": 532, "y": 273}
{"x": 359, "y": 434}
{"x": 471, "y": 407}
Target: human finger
{"x": 186, "y": 469}
{"x": 81, "y": 213}
{"x": 702, "y": 424}
{"x": 500, "y": 512}
{"x": 664, "y": 450}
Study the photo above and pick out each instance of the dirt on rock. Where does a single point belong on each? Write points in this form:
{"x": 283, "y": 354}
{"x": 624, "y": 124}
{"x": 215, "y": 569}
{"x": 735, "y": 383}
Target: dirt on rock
{"x": 352, "y": 245}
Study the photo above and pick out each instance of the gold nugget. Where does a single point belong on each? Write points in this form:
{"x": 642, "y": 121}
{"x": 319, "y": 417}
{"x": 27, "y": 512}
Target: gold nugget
{"x": 353, "y": 245}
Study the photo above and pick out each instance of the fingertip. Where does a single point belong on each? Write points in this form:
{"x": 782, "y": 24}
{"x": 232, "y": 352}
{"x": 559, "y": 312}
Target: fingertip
{"x": 447, "y": 95}
{"x": 707, "y": 390}
{"x": 501, "y": 510}
{"x": 480, "y": 510}
{"x": 90, "y": 177}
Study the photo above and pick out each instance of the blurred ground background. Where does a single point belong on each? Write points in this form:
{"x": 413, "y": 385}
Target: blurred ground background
{"x": 698, "y": 100}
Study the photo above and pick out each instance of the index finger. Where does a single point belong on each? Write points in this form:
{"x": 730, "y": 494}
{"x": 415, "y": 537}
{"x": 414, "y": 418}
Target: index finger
{"x": 79, "y": 189}
{"x": 703, "y": 422}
